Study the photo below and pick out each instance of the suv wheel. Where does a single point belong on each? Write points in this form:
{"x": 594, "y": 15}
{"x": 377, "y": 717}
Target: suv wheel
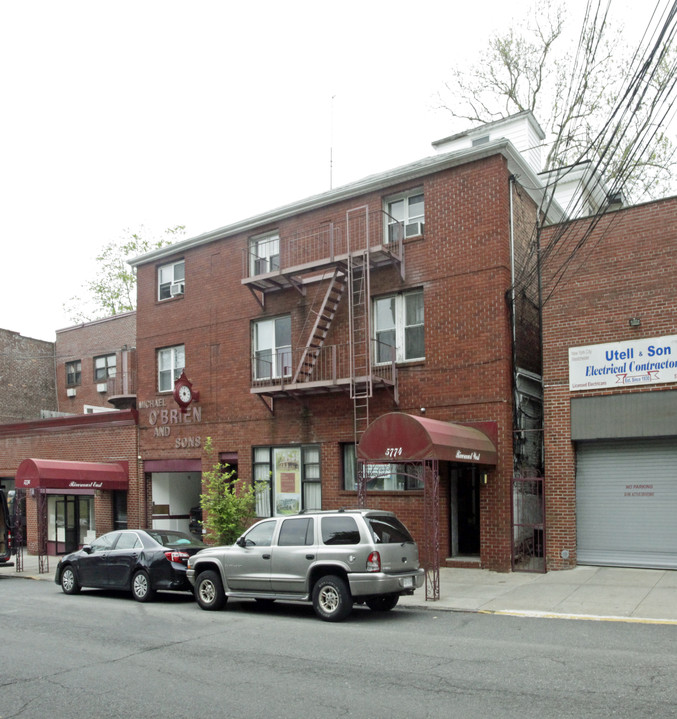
{"x": 384, "y": 603}
{"x": 331, "y": 599}
{"x": 209, "y": 591}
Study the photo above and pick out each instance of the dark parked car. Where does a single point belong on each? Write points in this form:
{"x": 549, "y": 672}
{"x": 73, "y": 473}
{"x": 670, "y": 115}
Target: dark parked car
{"x": 138, "y": 560}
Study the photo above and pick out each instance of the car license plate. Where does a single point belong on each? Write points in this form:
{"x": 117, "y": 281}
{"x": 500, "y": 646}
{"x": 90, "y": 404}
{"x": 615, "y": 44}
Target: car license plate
{"x": 408, "y": 582}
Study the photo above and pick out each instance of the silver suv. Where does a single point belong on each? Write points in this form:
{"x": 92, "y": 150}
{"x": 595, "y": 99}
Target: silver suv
{"x": 333, "y": 559}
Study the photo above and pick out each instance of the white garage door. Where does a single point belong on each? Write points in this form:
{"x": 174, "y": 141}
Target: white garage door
{"x": 626, "y": 503}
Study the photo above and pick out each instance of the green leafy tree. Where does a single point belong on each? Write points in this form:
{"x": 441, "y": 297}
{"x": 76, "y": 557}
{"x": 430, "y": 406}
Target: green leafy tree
{"x": 113, "y": 289}
{"x": 228, "y": 503}
{"x": 595, "y": 98}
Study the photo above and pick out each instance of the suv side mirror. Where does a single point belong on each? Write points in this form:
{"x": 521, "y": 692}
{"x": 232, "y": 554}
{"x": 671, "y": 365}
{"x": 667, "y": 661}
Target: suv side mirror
{"x": 241, "y": 542}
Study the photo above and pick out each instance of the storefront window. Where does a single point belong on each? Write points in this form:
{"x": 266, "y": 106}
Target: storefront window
{"x": 288, "y": 479}
{"x": 381, "y": 477}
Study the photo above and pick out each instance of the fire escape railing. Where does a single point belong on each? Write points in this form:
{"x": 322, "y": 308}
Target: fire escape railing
{"x": 332, "y": 366}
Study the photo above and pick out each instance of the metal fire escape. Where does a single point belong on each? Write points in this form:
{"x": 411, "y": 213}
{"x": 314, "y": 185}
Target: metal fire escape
{"x": 346, "y": 253}
{"x": 323, "y": 319}
{"x": 361, "y": 384}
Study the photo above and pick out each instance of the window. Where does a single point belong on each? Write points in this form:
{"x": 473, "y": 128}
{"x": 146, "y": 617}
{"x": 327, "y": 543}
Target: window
{"x": 381, "y": 477}
{"x": 296, "y": 533}
{"x": 405, "y": 212}
{"x": 128, "y": 540}
{"x": 287, "y": 479}
{"x": 104, "y": 367}
{"x": 170, "y": 364}
{"x": 261, "y": 535}
{"x": 264, "y": 254}
{"x": 271, "y": 340}
{"x": 171, "y": 280}
{"x": 340, "y": 530}
{"x": 73, "y": 373}
{"x": 398, "y": 323}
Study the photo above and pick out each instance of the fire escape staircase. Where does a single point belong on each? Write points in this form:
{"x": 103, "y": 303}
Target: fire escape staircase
{"x": 323, "y": 320}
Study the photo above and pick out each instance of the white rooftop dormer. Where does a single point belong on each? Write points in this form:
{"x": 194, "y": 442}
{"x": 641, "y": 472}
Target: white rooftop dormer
{"x": 522, "y": 130}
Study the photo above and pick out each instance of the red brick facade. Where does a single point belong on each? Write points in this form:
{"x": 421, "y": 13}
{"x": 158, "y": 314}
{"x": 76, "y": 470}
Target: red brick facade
{"x": 108, "y": 438}
{"x": 83, "y": 344}
{"x": 463, "y": 265}
{"x": 595, "y": 279}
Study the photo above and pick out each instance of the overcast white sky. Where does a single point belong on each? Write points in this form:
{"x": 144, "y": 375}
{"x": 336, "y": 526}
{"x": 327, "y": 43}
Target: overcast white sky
{"x": 155, "y": 113}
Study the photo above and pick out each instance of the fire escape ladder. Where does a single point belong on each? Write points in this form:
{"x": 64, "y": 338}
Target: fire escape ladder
{"x": 321, "y": 326}
{"x": 360, "y": 355}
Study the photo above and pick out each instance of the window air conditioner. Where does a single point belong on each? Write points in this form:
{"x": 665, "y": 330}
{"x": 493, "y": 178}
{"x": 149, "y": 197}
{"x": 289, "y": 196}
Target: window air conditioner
{"x": 413, "y": 229}
{"x": 70, "y": 392}
{"x": 102, "y": 387}
{"x": 176, "y": 288}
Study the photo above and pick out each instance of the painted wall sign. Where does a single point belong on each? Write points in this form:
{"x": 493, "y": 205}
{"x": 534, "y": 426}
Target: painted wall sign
{"x": 623, "y": 364}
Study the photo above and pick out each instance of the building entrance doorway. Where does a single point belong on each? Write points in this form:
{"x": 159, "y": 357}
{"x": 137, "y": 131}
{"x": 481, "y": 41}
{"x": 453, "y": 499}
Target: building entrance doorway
{"x": 70, "y": 522}
{"x": 465, "y": 512}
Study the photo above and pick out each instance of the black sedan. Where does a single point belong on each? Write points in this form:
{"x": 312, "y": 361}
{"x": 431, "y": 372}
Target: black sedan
{"x": 137, "y": 560}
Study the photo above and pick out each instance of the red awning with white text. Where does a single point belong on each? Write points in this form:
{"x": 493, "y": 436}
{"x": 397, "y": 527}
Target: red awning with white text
{"x": 57, "y": 474}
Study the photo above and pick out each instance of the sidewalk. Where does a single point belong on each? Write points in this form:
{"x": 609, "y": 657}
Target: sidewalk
{"x": 601, "y": 593}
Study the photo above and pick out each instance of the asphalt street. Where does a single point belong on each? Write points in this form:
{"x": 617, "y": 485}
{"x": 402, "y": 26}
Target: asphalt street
{"x": 101, "y": 654}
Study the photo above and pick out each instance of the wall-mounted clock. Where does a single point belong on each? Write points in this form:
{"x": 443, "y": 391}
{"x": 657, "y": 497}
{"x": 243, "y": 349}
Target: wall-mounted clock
{"x": 184, "y": 393}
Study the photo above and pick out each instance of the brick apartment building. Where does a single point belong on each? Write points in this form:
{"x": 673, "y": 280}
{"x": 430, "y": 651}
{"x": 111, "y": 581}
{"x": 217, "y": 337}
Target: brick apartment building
{"x": 71, "y": 453}
{"x": 610, "y": 388}
{"x": 27, "y": 377}
{"x": 382, "y": 310}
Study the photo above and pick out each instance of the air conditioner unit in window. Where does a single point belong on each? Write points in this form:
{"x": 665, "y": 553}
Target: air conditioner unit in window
{"x": 176, "y": 288}
{"x": 413, "y": 229}
{"x": 70, "y": 392}
{"x": 102, "y": 387}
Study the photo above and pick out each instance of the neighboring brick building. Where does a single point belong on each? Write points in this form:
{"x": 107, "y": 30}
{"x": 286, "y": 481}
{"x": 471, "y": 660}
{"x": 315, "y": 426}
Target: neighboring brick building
{"x": 610, "y": 388}
{"x": 93, "y": 363}
{"x": 27, "y": 377}
{"x": 286, "y": 323}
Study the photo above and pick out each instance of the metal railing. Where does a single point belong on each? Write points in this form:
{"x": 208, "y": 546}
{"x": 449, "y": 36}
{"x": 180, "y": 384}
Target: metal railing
{"x": 329, "y": 365}
{"x": 320, "y": 245}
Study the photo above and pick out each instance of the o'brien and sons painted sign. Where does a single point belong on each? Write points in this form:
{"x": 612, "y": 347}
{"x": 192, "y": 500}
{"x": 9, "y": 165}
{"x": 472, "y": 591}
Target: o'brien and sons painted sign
{"x": 632, "y": 363}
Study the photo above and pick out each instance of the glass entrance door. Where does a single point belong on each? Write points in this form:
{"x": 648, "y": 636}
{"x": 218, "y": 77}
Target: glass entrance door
{"x": 70, "y": 522}
{"x": 66, "y": 525}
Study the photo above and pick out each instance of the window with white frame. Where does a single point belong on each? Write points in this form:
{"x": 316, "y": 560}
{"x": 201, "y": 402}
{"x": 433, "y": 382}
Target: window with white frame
{"x": 271, "y": 343}
{"x": 104, "y": 367}
{"x": 399, "y": 327}
{"x": 405, "y": 215}
{"x": 264, "y": 254}
{"x": 171, "y": 280}
{"x": 170, "y": 364}
{"x": 389, "y": 477}
{"x": 287, "y": 479}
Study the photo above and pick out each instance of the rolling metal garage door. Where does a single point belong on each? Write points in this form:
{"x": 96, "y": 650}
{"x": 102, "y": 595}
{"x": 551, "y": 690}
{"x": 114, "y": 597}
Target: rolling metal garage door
{"x": 626, "y": 503}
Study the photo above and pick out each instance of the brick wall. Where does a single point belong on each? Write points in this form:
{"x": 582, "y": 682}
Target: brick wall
{"x": 594, "y": 280}
{"x": 27, "y": 379}
{"x": 463, "y": 266}
{"x": 91, "y": 438}
{"x": 85, "y": 342}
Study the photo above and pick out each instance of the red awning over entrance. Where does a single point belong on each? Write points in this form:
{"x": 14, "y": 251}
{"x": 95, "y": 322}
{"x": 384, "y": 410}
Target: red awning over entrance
{"x": 55, "y": 474}
{"x": 399, "y": 437}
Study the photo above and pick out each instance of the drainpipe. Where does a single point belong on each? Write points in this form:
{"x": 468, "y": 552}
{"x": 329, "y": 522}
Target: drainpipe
{"x": 513, "y": 319}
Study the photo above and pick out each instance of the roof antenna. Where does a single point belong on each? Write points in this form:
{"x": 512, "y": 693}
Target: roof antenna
{"x": 331, "y": 142}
